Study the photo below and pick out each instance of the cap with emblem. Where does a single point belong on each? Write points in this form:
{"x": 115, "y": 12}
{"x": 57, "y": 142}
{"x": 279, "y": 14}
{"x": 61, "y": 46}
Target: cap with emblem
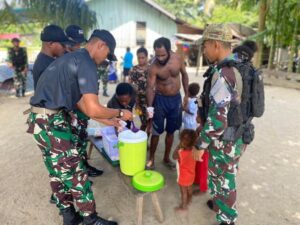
{"x": 110, "y": 41}
{"x": 75, "y": 34}
{"x": 53, "y": 33}
{"x": 218, "y": 32}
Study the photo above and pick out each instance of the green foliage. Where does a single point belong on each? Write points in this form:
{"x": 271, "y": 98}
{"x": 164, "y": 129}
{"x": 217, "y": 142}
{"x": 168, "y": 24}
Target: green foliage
{"x": 61, "y": 12}
{"x": 224, "y": 11}
{"x": 226, "y": 14}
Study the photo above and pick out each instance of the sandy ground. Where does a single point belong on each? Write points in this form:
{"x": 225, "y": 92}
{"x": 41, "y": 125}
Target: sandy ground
{"x": 268, "y": 180}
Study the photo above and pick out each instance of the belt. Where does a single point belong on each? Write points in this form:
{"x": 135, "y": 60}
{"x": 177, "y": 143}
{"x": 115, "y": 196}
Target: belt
{"x": 39, "y": 110}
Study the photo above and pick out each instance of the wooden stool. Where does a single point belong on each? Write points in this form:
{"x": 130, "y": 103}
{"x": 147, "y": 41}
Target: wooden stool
{"x": 126, "y": 180}
{"x": 155, "y": 203}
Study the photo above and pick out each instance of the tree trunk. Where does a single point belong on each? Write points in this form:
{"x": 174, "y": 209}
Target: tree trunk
{"x": 274, "y": 39}
{"x": 293, "y": 46}
{"x": 209, "y": 7}
{"x": 261, "y": 28}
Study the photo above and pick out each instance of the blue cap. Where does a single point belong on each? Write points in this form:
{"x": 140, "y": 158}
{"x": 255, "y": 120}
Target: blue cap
{"x": 110, "y": 41}
{"x": 53, "y": 33}
{"x": 75, "y": 34}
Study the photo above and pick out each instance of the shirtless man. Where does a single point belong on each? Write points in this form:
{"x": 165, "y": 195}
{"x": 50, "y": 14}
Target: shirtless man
{"x": 163, "y": 93}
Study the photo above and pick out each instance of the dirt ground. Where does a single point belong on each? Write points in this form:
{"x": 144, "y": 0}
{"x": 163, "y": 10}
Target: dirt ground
{"x": 268, "y": 179}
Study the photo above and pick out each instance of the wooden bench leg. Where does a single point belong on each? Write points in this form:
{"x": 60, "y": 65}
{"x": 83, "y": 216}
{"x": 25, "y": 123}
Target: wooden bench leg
{"x": 139, "y": 209}
{"x": 90, "y": 150}
{"x": 156, "y": 206}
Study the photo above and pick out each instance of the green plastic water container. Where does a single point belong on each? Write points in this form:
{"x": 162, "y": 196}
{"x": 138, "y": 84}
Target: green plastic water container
{"x": 132, "y": 151}
{"x": 148, "y": 181}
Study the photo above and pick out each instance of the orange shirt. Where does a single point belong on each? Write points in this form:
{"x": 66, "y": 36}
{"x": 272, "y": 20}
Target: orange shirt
{"x": 186, "y": 167}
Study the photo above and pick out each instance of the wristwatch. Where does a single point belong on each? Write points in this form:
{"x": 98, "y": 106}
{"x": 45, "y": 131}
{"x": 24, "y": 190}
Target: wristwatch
{"x": 121, "y": 113}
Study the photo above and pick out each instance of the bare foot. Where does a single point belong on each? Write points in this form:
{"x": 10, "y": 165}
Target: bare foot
{"x": 150, "y": 165}
{"x": 181, "y": 208}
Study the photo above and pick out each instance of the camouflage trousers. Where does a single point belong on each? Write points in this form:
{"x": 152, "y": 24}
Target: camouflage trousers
{"x": 20, "y": 83}
{"x": 143, "y": 105}
{"x": 104, "y": 80}
{"x": 69, "y": 180}
{"x": 79, "y": 124}
{"x": 222, "y": 169}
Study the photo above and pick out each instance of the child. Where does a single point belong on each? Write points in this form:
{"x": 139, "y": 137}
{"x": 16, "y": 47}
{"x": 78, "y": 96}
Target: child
{"x": 124, "y": 98}
{"x": 185, "y": 166}
{"x": 138, "y": 78}
{"x": 191, "y": 108}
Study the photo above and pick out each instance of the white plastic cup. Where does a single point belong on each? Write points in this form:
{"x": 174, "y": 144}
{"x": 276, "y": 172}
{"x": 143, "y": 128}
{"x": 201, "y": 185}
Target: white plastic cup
{"x": 150, "y": 111}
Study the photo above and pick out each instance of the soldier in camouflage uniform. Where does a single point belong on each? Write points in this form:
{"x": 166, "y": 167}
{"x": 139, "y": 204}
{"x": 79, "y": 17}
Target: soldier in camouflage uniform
{"x": 17, "y": 57}
{"x": 103, "y": 76}
{"x": 70, "y": 82}
{"x": 138, "y": 77}
{"x": 224, "y": 154}
{"x": 79, "y": 119}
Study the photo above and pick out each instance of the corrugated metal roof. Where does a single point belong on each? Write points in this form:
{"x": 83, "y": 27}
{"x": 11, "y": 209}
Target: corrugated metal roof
{"x": 160, "y": 9}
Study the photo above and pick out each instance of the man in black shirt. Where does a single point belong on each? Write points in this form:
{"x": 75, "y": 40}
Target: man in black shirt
{"x": 53, "y": 46}
{"x": 71, "y": 82}
{"x": 76, "y": 39}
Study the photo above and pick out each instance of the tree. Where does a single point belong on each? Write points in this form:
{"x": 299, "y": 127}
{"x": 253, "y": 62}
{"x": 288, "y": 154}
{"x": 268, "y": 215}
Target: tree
{"x": 60, "y": 12}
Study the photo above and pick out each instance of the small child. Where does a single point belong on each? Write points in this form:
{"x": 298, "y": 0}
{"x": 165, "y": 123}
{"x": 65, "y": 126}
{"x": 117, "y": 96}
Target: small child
{"x": 185, "y": 166}
{"x": 191, "y": 108}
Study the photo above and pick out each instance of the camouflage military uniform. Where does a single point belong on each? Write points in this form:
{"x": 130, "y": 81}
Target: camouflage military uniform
{"x": 103, "y": 76}
{"x": 79, "y": 125}
{"x": 223, "y": 155}
{"x": 138, "y": 76}
{"x": 69, "y": 181}
{"x": 18, "y": 59}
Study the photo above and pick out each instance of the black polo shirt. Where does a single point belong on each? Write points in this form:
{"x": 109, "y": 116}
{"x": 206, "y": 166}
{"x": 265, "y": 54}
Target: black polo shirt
{"x": 41, "y": 63}
{"x": 64, "y": 82}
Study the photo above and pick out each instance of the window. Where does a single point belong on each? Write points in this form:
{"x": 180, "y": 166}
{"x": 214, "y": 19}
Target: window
{"x": 140, "y": 33}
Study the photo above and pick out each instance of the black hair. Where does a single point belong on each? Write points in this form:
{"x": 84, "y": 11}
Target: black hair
{"x": 246, "y": 50}
{"x": 188, "y": 138}
{"x": 162, "y": 42}
{"x": 194, "y": 89}
{"x": 142, "y": 50}
{"x": 250, "y": 44}
{"x": 127, "y": 49}
{"x": 124, "y": 89}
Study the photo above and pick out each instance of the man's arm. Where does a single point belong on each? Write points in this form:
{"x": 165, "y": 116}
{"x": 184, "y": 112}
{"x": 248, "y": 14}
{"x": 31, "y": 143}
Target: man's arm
{"x": 185, "y": 78}
{"x": 151, "y": 80}
{"x": 90, "y": 106}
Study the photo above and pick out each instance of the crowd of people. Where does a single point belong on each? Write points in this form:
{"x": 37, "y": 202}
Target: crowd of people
{"x": 67, "y": 74}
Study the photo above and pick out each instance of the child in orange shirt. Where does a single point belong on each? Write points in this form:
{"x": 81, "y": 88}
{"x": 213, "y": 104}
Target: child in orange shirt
{"x": 185, "y": 166}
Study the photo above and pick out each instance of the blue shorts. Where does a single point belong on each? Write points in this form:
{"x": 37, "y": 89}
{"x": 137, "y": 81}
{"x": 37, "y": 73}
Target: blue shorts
{"x": 167, "y": 108}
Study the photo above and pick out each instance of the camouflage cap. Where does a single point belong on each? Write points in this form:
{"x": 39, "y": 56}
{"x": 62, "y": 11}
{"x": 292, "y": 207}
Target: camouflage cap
{"x": 219, "y": 32}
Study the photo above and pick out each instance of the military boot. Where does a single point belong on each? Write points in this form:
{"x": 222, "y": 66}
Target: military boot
{"x": 93, "y": 219}
{"x": 92, "y": 171}
{"x": 70, "y": 216}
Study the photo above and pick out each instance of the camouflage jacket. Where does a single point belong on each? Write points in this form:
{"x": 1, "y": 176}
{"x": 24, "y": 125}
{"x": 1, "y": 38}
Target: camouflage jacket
{"x": 138, "y": 78}
{"x": 223, "y": 91}
{"x": 18, "y": 58}
{"x": 102, "y": 70}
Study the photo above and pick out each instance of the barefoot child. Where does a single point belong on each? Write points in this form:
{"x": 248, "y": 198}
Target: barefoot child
{"x": 185, "y": 166}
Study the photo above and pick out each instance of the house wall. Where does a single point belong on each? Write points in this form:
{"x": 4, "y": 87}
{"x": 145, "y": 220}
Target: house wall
{"x": 120, "y": 17}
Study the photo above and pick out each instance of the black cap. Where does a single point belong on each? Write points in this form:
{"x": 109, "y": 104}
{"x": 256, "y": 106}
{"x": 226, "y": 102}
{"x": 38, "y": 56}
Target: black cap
{"x": 75, "y": 34}
{"x": 15, "y": 40}
{"x": 110, "y": 41}
{"x": 54, "y": 33}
